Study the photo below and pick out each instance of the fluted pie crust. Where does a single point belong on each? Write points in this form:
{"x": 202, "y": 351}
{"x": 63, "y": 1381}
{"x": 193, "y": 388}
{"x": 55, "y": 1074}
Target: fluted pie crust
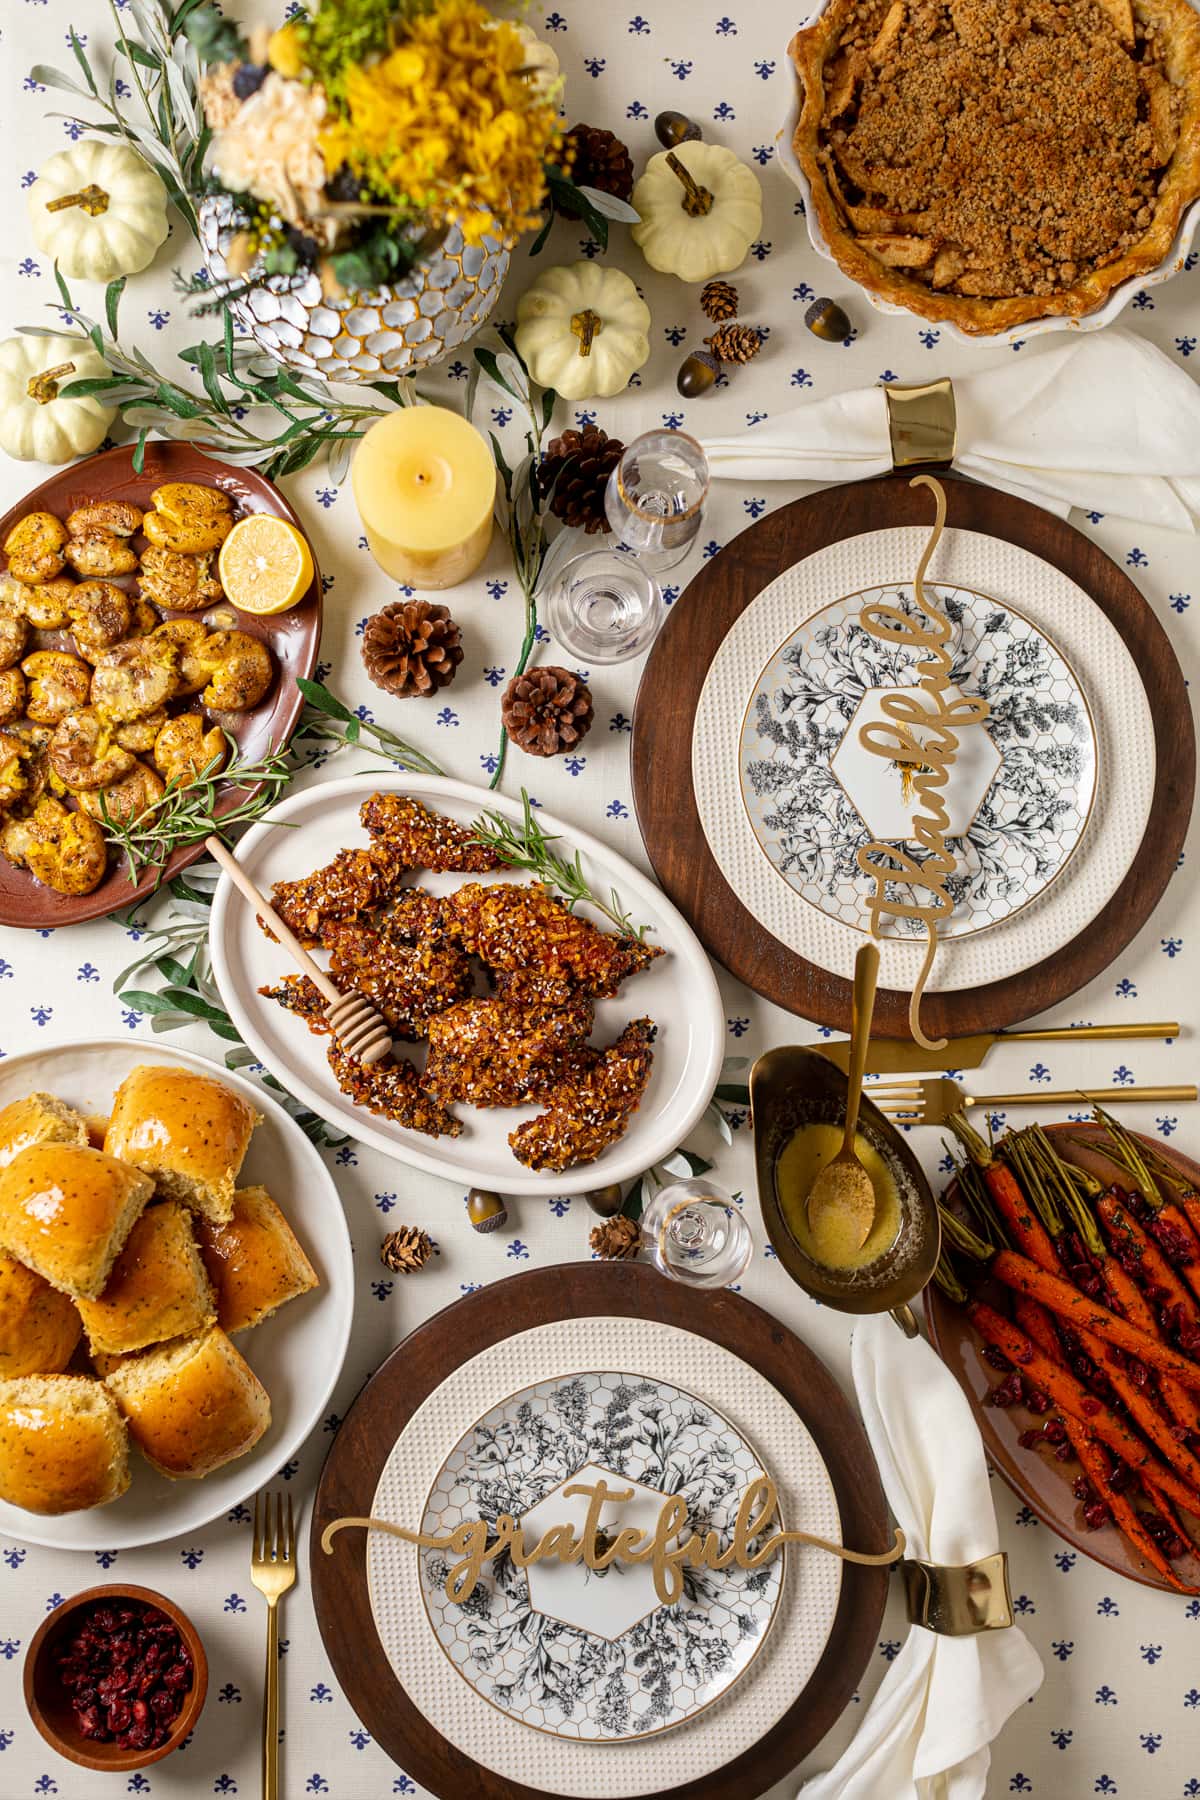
{"x": 992, "y": 162}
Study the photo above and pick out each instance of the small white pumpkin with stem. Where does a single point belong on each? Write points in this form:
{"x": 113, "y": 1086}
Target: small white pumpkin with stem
{"x": 99, "y": 210}
{"x": 583, "y": 330}
{"x": 37, "y": 422}
{"x": 701, "y": 209}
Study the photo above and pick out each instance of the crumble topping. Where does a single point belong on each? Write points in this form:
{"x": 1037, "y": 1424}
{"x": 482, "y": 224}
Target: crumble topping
{"x": 997, "y": 147}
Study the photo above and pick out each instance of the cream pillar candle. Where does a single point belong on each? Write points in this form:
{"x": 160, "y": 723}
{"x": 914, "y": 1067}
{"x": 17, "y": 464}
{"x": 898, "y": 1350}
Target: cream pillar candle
{"x": 425, "y": 484}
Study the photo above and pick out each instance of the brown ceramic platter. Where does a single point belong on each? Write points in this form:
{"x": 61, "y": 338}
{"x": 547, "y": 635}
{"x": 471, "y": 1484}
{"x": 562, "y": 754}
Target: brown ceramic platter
{"x": 662, "y": 753}
{"x": 1034, "y": 1475}
{"x": 293, "y": 638}
{"x": 452, "y": 1337}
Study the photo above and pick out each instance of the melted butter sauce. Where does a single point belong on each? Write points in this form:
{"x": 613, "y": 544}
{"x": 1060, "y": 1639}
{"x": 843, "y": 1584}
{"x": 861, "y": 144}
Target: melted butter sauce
{"x": 799, "y": 1163}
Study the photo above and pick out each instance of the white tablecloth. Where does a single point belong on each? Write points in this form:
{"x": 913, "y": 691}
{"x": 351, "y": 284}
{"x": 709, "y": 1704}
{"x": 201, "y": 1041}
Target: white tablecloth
{"x": 1117, "y": 1714}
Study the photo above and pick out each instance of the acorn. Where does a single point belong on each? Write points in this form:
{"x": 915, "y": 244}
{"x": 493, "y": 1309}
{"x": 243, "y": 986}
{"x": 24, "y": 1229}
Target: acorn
{"x": 697, "y": 373}
{"x": 825, "y": 319}
{"x": 606, "y": 1202}
{"x": 487, "y": 1212}
{"x": 671, "y": 128}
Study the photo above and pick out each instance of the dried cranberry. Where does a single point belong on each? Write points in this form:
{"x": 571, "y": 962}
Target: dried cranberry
{"x": 1121, "y": 1477}
{"x": 1089, "y": 1407}
{"x": 995, "y": 1358}
{"x": 126, "y": 1670}
{"x": 1038, "y": 1401}
{"x": 1081, "y": 1487}
{"x": 1095, "y": 1515}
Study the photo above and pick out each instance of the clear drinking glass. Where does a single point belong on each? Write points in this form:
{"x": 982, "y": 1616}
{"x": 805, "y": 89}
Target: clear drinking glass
{"x": 655, "y": 497}
{"x": 604, "y": 608}
{"x": 697, "y": 1234}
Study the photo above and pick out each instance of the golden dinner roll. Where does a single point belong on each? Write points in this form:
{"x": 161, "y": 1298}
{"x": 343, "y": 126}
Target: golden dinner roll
{"x": 38, "y": 1119}
{"x": 191, "y": 1405}
{"x": 188, "y": 1131}
{"x": 63, "y": 1444}
{"x": 66, "y": 1210}
{"x": 39, "y": 1327}
{"x": 97, "y": 1125}
{"x": 158, "y": 1287}
{"x": 254, "y": 1260}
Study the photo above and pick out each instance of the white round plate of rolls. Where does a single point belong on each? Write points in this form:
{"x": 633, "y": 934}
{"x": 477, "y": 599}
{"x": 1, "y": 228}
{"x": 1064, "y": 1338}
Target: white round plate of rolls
{"x": 297, "y": 1353}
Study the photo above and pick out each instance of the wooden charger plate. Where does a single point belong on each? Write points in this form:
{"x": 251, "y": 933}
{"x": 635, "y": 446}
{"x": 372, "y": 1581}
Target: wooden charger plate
{"x": 1035, "y": 1476}
{"x": 431, "y": 1353}
{"x": 293, "y": 638}
{"x": 662, "y": 753}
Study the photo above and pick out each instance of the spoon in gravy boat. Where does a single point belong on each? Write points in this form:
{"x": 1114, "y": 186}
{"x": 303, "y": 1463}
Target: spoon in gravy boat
{"x": 841, "y": 1201}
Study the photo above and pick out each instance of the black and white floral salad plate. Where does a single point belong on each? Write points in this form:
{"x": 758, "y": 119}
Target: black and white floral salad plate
{"x": 1019, "y": 795}
{"x": 592, "y": 1656}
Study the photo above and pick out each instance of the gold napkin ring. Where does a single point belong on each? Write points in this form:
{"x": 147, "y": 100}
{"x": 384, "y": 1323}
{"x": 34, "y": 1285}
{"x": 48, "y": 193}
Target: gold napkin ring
{"x": 958, "y": 1601}
{"x": 922, "y": 423}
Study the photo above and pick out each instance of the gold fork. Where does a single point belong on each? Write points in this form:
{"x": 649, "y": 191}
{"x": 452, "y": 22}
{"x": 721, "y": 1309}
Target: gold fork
{"x": 932, "y": 1102}
{"x": 273, "y": 1572}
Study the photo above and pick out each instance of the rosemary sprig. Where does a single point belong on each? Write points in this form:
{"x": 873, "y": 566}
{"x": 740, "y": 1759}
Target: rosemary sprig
{"x": 527, "y": 846}
{"x": 186, "y": 811}
{"x": 522, "y": 507}
{"x": 329, "y": 720}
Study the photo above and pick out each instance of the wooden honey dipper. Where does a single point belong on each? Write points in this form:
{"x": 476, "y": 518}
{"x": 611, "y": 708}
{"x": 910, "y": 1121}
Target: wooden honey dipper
{"x": 354, "y": 1021}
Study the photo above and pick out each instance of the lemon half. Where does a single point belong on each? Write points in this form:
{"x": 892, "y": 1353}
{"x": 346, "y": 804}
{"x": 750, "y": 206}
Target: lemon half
{"x": 265, "y": 565}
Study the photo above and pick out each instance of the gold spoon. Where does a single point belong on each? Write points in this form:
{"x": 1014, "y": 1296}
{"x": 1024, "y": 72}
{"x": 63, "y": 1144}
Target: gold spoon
{"x": 841, "y": 1201}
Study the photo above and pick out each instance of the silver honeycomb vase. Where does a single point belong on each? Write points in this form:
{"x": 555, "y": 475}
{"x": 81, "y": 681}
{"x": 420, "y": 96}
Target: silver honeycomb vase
{"x": 408, "y": 325}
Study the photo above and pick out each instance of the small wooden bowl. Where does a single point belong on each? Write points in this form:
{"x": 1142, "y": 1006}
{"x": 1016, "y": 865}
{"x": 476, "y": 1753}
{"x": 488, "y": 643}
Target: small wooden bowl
{"x": 49, "y": 1703}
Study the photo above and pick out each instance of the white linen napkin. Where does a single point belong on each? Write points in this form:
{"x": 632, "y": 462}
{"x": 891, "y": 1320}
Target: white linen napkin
{"x": 1104, "y": 422}
{"x": 925, "y": 1735}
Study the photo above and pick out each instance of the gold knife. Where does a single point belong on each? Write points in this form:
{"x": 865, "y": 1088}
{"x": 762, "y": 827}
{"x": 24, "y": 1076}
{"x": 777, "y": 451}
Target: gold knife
{"x": 898, "y": 1056}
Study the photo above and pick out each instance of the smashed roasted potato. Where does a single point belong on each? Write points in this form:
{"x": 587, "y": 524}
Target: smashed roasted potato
{"x": 134, "y": 679}
{"x": 240, "y": 671}
{"x": 99, "y": 615}
{"x": 188, "y": 518}
{"x": 58, "y": 684}
{"x": 64, "y": 849}
{"x": 84, "y": 754}
{"x": 91, "y": 727}
{"x": 187, "y": 746}
{"x": 125, "y": 799}
{"x": 178, "y": 582}
{"x": 34, "y": 547}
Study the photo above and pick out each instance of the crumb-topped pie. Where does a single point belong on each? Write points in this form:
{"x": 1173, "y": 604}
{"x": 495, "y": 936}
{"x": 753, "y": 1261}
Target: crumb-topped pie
{"x": 989, "y": 162}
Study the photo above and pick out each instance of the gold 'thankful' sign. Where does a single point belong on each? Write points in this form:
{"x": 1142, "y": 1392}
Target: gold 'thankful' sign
{"x": 918, "y": 732}
{"x": 475, "y": 1542}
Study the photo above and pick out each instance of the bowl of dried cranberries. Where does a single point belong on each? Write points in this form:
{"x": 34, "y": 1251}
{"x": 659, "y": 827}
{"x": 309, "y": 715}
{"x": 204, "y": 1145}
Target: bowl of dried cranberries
{"x": 115, "y": 1678}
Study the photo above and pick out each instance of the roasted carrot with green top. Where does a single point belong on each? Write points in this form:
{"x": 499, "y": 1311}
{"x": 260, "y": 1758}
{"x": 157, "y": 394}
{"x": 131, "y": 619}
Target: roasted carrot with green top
{"x": 1096, "y": 1466}
{"x": 1089, "y": 1315}
{"x": 1069, "y": 1394}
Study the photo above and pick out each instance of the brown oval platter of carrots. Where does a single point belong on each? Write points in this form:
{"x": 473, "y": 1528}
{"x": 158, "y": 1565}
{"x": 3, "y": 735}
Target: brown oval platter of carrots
{"x": 1067, "y": 1304}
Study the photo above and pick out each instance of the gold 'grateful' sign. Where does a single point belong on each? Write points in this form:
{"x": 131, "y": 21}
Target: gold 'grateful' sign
{"x": 474, "y": 1542}
{"x": 926, "y": 758}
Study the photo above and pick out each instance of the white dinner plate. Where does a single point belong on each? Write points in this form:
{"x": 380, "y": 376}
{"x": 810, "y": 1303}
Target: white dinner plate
{"x": 565, "y": 1649}
{"x": 678, "y": 991}
{"x": 1018, "y": 796}
{"x": 297, "y": 1355}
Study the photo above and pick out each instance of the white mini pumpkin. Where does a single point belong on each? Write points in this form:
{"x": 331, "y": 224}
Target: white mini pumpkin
{"x": 582, "y": 329}
{"x": 50, "y": 429}
{"x": 700, "y": 211}
{"x": 99, "y": 210}
{"x": 541, "y": 59}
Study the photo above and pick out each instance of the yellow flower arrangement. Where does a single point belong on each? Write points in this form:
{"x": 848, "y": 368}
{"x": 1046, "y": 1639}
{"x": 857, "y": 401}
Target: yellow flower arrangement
{"x": 447, "y": 125}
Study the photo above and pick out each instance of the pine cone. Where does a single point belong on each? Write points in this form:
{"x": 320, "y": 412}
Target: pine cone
{"x": 406, "y": 1250}
{"x": 577, "y": 466}
{"x": 412, "y": 647}
{"x": 735, "y": 343}
{"x": 719, "y": 300}
{"x": 616, "y": 1239}
{"x": 596, "y": 158}
{"x": 546, "y": 710}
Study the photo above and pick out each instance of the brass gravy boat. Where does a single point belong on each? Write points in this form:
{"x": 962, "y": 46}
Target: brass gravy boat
{"x": 791, "y": 1087}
